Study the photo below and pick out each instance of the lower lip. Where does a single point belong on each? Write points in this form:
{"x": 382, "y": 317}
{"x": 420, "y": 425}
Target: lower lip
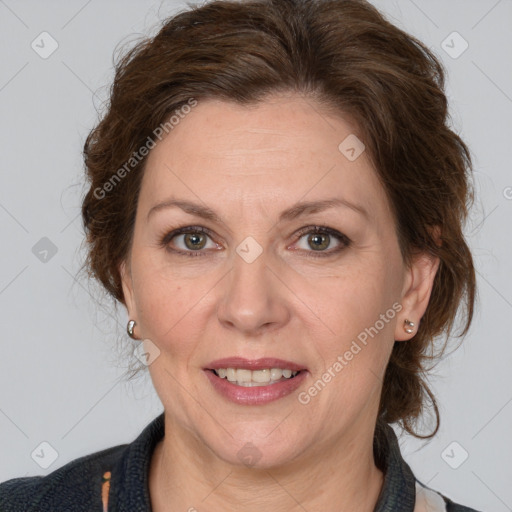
{"x": 256, "y": 395}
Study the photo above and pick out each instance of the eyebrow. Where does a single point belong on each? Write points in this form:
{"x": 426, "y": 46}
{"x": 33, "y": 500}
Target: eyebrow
{"x": 297, "y": 210}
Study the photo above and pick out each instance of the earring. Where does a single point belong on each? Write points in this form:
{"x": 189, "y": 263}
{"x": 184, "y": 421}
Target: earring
{"x": 129, "y": 329}
{"x": 408, "y": 326}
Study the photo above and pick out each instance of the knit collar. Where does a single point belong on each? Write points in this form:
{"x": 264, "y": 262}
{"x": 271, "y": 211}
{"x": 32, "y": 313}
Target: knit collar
{"x": 129, "y": 489}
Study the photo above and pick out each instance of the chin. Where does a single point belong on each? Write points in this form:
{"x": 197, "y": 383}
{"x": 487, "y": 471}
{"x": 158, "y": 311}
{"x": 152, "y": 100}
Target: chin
{"x": 256, "y": 451}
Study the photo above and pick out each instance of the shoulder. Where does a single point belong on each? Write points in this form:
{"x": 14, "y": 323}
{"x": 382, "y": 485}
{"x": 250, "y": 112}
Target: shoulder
{"x": 78, "y": 481}
{"x": 401, "y": 489}
{"x": 428, "y": 499}
{"x": 454, "y": 507}
{"x": 117, "y": 476}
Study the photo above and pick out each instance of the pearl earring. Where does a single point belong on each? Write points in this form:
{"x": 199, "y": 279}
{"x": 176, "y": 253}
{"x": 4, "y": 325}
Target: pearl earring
{"x": 408, "y": 326}
{"x": 129, "y": 329}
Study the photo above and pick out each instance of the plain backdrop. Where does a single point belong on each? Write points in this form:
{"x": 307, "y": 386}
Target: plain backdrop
{"x": 60, "y": 372}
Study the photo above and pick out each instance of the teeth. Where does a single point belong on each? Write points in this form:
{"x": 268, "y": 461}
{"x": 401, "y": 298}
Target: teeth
{"x": 248, "y": 378}
{"x": 276, "y": 373}
{"x": 261, "y": 376}
{"x": 243, "y": 376}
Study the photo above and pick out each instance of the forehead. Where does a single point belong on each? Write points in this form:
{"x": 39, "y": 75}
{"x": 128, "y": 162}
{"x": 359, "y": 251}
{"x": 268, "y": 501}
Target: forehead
{"x": 279, "y": 151}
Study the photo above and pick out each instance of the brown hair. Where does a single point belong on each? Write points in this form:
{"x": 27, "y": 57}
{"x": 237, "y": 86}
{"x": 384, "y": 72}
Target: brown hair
{"x": 345, "y": 55}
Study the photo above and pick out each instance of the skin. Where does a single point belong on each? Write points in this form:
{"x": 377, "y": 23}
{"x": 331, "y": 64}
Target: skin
{"x": 249, "y": 164}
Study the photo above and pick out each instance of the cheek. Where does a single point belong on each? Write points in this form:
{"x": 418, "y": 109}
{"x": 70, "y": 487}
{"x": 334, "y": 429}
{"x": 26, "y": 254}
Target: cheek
{"x": 167, "y": 305}
{"x": 351, "y": 300}
{"x": 356, "y": 314}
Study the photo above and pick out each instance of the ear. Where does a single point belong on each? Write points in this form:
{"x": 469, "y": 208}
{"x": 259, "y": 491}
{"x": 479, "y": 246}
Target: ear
{"x": 127, "y": 284}
{"x": 416, "y": 292}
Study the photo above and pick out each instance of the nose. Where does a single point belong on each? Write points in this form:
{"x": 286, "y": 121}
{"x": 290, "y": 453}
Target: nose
{"x": 253, "y": 298}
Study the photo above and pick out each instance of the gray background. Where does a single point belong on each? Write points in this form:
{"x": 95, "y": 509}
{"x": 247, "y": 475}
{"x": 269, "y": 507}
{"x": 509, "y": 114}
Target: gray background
{"x": 61, "y": 373}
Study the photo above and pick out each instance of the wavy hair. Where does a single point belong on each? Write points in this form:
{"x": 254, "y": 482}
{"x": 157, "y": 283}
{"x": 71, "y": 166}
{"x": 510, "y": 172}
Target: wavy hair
{"x": 346, "y": 56}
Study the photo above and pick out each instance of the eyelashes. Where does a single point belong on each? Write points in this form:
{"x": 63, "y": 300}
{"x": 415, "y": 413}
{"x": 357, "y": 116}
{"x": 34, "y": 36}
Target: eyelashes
{"x": 343, "y": 241}
{"x": 186, "y": 230}
{"x": 317, "y": 234}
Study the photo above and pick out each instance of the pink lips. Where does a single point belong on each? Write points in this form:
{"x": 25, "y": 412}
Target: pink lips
{"x": 257, "y": 395}
{"x": 253, "y": 364}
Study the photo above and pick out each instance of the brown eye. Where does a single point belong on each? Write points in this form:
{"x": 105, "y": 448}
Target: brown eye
{"x": 318, "y": 241}
{"x": 189, "y": 241}
{"x": 194, "y": 241}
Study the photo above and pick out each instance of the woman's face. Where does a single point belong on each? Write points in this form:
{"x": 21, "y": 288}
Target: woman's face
{"x": 252, "y": 280}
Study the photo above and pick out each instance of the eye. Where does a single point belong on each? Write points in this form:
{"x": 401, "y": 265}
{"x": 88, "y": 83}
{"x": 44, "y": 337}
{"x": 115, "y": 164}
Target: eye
{"x": 319, "y": 238}
{"x": 190, "y": 240}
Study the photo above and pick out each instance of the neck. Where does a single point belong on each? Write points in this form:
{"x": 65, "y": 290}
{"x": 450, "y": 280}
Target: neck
{"x": 340, "y": 476}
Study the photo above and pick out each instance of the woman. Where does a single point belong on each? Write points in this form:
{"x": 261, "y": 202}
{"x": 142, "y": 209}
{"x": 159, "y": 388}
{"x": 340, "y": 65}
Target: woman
{"x": 276, "y": 198}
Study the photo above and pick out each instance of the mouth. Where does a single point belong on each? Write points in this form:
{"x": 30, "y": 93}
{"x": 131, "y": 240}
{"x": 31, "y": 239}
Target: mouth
{"x": 253, "y": 378}
{"x": 255, "y": 381}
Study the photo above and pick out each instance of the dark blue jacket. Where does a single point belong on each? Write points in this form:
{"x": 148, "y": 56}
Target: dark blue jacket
{"x": 121, "y": 474}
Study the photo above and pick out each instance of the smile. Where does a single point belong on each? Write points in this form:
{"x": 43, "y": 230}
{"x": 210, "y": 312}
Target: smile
{"x": 248, "y": 378}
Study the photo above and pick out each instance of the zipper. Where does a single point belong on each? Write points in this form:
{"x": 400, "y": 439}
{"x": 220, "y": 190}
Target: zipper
{"x": 105, "y": 488}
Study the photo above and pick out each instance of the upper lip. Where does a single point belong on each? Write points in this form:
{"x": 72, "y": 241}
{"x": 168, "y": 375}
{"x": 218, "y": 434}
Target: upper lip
{"x": 254, "y": 364}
